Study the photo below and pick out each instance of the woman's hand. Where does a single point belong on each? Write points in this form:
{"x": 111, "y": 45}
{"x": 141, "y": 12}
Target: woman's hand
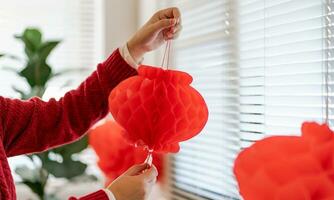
{"x": 163, "y": 25}
{"x": 135, "y": 184}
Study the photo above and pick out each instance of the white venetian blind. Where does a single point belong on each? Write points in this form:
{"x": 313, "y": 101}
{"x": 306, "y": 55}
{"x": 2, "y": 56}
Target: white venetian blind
{"x": 282, "y": 62}
{"x": 261, "y": 66}
{"x": 206, "y": 49}
{"x": 74, "y": 22}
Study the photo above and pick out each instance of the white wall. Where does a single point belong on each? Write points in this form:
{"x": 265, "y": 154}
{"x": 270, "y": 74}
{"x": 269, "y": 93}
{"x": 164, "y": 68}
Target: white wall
{"x": 123, "y": 18}
{"x": 146, "y": 9}
{"x": 121, "y": 22}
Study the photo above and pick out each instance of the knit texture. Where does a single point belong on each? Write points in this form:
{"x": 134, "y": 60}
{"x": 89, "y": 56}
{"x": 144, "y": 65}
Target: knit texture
{"x": 35, "y": 125}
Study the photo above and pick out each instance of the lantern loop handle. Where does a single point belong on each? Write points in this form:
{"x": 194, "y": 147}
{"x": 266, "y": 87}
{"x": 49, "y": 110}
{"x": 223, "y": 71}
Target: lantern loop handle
{"x": 166, "y": 56}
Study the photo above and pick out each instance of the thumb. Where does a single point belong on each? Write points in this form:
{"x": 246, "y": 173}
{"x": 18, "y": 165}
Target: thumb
{"x": 164, "y": 23}
{"x": 136, "y": 169}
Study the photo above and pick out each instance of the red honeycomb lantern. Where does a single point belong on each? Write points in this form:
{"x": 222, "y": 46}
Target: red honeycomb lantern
{"x": 289, "y": 167}
{"x": 158, "y": 108}
{"x": 115, "y": 154}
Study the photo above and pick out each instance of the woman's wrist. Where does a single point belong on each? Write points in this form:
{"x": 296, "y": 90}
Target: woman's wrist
{"x": 125, "y": 53}
{"x": 135, "y": 51}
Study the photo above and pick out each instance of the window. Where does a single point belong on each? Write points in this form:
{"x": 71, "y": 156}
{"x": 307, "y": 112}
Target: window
{"x": 261, "y": 65}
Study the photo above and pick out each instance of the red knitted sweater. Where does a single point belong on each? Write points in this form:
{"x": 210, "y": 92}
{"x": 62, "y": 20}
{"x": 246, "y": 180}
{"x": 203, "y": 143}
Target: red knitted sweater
{"x": 34, "y": 125}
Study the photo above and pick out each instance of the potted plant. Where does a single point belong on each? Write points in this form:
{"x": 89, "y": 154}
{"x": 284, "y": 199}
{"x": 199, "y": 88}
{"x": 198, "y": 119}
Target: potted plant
{"x": 37, "y": 72}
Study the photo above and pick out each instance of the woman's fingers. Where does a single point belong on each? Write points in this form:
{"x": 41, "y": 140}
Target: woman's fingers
{"x": 176, "y": 14}
{"x": 163, "y": 24}
{"x": 136, "y": 169}
{"x": 173, "y": 33}
{"x": 168, "y": 13}
{"x": 144, "y": 170}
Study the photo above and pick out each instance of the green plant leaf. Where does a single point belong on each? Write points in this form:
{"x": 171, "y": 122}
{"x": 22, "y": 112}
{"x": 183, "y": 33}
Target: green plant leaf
{"x": 35, "y": 187}
{"x": 34, "y": 35}
{"x": 46, "y": 48}
{"x": 32, "y": 39}
{"x": 2, "y": 55}
{"x": 44, "y": 156}
{"x": 37, "y": 74}
{"x": 67, "y": 169}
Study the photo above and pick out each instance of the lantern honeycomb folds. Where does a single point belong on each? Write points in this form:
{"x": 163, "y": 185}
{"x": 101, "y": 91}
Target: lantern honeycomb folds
{"x": 158, "y": 108}
{"x": 289, "y": 167}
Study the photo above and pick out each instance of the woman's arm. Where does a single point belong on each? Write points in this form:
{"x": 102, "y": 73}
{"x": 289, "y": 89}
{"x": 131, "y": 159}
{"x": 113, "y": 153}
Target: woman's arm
{"x": 34, "y": 125}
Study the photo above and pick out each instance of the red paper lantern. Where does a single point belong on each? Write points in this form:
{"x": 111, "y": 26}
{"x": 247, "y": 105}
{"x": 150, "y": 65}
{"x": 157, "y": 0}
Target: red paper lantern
{"x": 115, "y": 154}
{"x": 289, "y": 167}
{"x": 158, "y": 108}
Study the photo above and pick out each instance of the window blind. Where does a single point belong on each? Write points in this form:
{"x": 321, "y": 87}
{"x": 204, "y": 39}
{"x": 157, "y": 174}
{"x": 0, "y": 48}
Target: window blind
{"x": 206, "y": 49}
{"x": 261, "y": 65}
{"x": 73, "y": 22}
{"x": 282, "y": 60}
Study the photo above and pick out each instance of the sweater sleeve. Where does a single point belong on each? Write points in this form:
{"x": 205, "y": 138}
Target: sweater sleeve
{"x": 34, "y": 125}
